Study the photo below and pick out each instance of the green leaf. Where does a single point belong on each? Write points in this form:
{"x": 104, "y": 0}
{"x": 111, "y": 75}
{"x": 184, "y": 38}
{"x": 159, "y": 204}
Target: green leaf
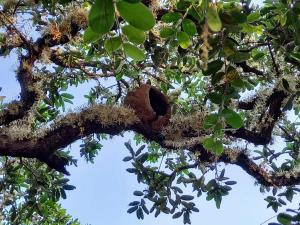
{"x": 131, "y": 170}
{"x": 229, "y": 47}
{"x": 251, "y": 29}
{"x": 257, "y": 54}
{"x": 189, "y": 27}
{"x": 132, "y": 209}
{"x": 239, "y": 57}
{"x": 210, "y": 121}
{"x": 145, "y": 209}
{"x": 136, "y": 14}
{"x": 213, "y": 145}
{"x": 289, "y": 194}
{"x": 231, "y": 182}
{"x": 133, "y": 52}
{"x": 128, "y": 146}
{"x": 213, "y": 67}
{"x": 90, "y": 36}
{"x": 177, "y": 215}
{"x": 239, "y": 83}
{"x": 183, "y": 40}
{"x": 134, "y": 203}
{"x": 210, "y": 196}
{"x": 215, "y": 97}
{"x": 213, "y": 19}
{"x": 284, "y": 218}
{"x": 112, "y": 44}
{"x": 127, "y": 158}
{"x": 218, "y": 200}
{"x": 61, "y": 181}
{"x": 186, "y": 218}
{"x": 138, "y": 193}
{"x": 63, "y": 193}
{"x": 68, "y": 187}
{"x": 134, "y": 35}
{"x": 187, "y": 197}
{"x": 232, "y": 118}
{"x": 140, "y": 150}
{"x": 253, "y": 17}
{"x": 166, "y": 32}
{"x": 139, "y": 213}
{"x": 102, "y": 16}
{"x": 67, "y": 95}
{"x": 217, "y": 77}
{"x": 171, "y": 17}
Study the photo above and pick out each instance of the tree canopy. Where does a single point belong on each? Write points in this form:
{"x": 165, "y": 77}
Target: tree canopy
{"x": 201, "y": 83}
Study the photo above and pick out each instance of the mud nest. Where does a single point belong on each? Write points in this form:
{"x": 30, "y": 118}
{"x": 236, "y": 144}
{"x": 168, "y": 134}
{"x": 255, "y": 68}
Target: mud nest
{"x": 150, "y": 105}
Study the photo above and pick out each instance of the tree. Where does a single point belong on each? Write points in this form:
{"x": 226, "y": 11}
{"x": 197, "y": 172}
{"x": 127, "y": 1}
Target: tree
{"x": 206, "y": 82}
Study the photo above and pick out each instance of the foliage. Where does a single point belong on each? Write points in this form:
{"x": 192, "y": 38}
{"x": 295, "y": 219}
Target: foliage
{"x": 230, "y": 70}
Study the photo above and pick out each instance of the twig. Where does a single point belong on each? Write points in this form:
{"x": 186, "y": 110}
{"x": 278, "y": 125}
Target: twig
{"x": 118, "y": 96}
{"x": 273, "y": 60}
{"x": 268, "y": 220}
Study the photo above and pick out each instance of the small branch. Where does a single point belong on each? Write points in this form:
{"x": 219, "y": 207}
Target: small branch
{"x": 181, "y": 168}
{"x": 268, "y": 219}
{"x": 273, "y": 60}
{"x": 287, "y": 133}
{"x": 118, "y": 96}
{"x": 81, "y": 65}
{"x": 248, "y": 69}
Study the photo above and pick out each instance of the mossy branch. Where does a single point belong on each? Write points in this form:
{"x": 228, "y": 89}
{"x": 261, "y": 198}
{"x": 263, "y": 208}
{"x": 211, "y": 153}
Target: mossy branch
{"x": 114, "y": 120}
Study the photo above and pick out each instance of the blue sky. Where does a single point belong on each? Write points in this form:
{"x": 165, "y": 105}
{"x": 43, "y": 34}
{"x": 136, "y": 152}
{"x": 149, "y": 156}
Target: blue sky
{"x": 104, "y": 189}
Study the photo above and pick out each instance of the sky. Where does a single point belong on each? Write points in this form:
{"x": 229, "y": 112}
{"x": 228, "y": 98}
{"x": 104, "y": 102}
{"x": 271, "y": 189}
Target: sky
{"x": 104, "y": 189}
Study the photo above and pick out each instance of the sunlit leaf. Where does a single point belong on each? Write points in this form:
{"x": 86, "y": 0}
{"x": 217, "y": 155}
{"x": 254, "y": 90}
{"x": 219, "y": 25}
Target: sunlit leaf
{"x": 253, "y": 17}
{"x": 134, "y": 52}
{"x": 136, "y": 14}
{"x": 112, "y": 44}
{"x": 171, "y": 17}
{"x": 213, "y": 19}
{"x": 284, "y": 218}
{"x": 189, "y": 27}
{"x": 102, "y": 16}
{"x": 90, "y": 36}
{"x": 183, "y": 40}
{"x": 210, "y": 121}
{"x": 166, "y": 32}
{"x": 134, "y": 35}
{"x": 213, "y": 145}
{"x": 232, "y": 118}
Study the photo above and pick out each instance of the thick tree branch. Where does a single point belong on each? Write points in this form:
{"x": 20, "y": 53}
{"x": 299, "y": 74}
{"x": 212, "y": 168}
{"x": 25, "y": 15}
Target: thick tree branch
{"x": 247, "y": 105}
{"x": 97, "y": 119}
{"x": 114, "y": 120}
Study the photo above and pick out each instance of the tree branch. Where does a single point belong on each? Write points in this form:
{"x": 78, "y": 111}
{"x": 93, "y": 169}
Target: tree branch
{"x": 31, "y": 91}
{"x": 248, "y": 69}
{"x": 114, "y": 120}
{"x": 271, "y": 116}
{"x": 81, "y": 65}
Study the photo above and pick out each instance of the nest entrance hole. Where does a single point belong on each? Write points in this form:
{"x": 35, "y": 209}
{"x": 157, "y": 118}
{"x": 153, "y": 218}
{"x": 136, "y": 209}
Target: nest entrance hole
{"x": 158, "y": 102}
